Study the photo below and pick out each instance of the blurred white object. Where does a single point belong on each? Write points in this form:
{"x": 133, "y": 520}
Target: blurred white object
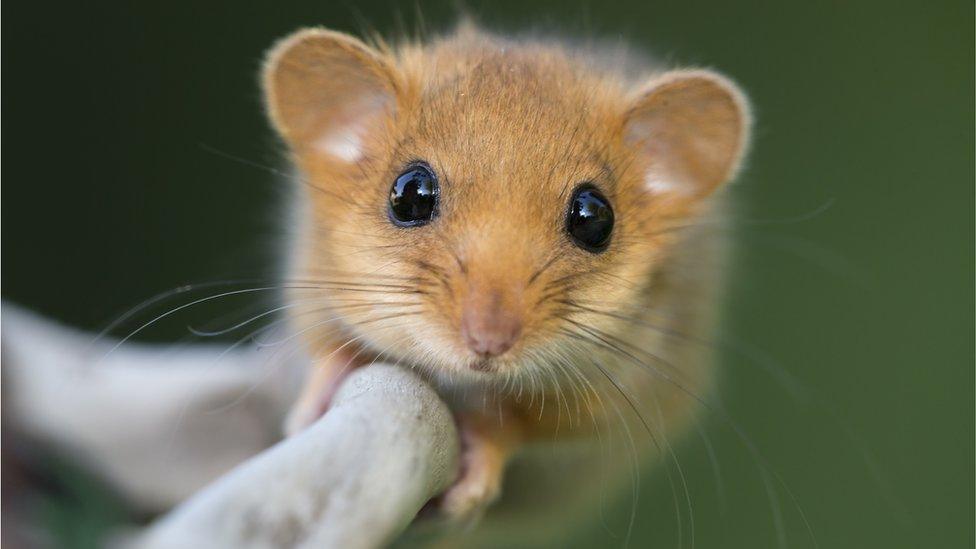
{"x": 159, "y": 423}
{"x": 354, "y": 479}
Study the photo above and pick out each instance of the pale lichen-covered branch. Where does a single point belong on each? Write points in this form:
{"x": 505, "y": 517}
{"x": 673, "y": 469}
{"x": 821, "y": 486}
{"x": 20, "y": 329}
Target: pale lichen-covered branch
{"x": 158, "y": 423}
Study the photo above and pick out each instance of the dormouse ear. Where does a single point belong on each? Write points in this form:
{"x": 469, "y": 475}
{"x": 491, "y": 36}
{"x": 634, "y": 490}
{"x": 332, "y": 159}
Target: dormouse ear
{"x": 325, "y": 91}
{"x": 691, "y": 128}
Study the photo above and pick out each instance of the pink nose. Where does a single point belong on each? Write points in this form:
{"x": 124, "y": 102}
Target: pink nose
{"x": 489, "y": 331}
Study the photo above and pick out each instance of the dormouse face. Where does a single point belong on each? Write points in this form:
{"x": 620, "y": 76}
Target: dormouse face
{"x": 474, "y": 202}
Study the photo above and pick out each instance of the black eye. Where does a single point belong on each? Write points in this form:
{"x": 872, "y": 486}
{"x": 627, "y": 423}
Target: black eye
{"x": 590, "y": 219}
{"x": 413, "y": 197}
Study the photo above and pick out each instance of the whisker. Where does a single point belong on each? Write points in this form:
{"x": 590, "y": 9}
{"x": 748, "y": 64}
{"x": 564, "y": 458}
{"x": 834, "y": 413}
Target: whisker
{"x": 185, "y": 306}
{"x": 161, "y": 296}
{"x": 280, "y": 173}
{"x": 765, "y": 468}
{"x": 239, "y": 325}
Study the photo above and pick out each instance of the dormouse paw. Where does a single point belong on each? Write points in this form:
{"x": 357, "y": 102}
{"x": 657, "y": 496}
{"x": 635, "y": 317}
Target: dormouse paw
{"x": 477, "y": 488}
{"x": 320, "y": 386}
{"x": 483, "y": 457}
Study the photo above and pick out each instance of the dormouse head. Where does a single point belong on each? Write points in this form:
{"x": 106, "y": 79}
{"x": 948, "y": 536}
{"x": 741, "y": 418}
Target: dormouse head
{"x": 474, "y": 201}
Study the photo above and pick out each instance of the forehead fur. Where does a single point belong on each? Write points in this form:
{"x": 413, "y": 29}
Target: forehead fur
{"x": 494, "y": 114}
{"x": 475, "y": 81}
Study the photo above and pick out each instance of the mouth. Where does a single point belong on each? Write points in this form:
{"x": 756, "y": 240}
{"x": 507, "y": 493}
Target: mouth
{"x": 484, "y": 364}
{"x": 321, "y": 384}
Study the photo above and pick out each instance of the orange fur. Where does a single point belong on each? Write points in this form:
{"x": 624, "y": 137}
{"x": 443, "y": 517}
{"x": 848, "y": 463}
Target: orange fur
{"x": 510, "y": 128}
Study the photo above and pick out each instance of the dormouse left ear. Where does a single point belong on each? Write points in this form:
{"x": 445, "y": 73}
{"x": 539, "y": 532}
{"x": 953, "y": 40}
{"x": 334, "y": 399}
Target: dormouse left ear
{"x": 690, "y": 128}
{"x": 327, "y": 92}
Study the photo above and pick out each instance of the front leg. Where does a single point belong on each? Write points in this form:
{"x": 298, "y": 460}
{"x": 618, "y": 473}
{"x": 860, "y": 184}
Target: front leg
{"x": 487, "y": 442}
{"x": 490, "y": 439}
{"x": 320, "y": 385}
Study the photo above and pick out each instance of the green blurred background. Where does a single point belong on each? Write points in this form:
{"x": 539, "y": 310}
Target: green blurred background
{"x": 114, "y": 193}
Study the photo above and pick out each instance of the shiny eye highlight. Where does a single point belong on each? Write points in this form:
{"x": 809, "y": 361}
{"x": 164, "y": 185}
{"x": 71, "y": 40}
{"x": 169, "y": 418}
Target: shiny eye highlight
{"x": 590, "y": 219}
{"x": 413, "y": 196}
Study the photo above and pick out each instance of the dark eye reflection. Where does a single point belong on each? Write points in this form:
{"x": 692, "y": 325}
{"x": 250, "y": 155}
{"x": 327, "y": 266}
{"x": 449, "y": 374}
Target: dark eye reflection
{"x": 590, "y": 219}
{"x": 413, "y": 197}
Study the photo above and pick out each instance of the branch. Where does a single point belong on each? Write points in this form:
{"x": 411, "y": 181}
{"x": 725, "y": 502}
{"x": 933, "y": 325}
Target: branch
{"x": 356, "y": 478}
{"x": 158, "y": 423}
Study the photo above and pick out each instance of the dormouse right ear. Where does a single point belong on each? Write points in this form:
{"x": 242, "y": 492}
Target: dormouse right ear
{"x": 690, "y": 129}
{"x": 325, "y": 91}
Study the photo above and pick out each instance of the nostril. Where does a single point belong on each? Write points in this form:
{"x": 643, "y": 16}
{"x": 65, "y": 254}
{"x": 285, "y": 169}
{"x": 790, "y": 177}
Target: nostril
{"x": 497, "y": 347}
{"x": 475, "y": 343}
{"x": 506, "y": 340}
{"x": 492, "y": 338}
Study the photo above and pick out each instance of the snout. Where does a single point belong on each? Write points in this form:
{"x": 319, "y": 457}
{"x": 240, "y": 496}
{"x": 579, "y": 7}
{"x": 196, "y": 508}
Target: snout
{"x": 491, "y": 324}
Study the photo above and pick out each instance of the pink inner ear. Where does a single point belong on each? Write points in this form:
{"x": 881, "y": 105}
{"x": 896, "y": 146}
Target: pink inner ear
{"x": 661, "y": 177}
{"x": 689, "y": 127}
{"x": 345, "y": 133}
{"x": 345, "y": 145}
